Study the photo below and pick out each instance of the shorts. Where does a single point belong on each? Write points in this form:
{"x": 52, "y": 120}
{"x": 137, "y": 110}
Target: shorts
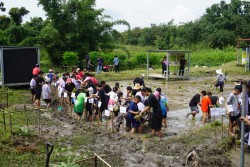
{"x": 234, "y": 118}
{"x": 164, "y": 116}
{"x": 33, "y": 92}
{"x": 38, "y": 94}
{"x": 195, "y": 108}
{"x": 47, "y": 100}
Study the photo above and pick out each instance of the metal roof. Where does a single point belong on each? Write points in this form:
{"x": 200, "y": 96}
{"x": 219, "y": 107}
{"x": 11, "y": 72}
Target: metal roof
{"x": 171, "y": 51}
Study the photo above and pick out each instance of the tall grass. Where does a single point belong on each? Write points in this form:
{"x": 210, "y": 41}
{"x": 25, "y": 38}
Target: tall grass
{"x": 212, "y": 57}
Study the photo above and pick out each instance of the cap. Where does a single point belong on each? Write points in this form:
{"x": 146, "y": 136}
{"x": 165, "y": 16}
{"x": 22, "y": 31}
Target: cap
{"x": 142, "y": 75}
{"x": 78, "y": 69}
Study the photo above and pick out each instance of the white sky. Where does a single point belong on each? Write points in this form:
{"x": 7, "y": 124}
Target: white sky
{"x": 139, "y": 13}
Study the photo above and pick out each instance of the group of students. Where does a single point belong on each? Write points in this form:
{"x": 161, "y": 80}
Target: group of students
{"x": 233, "y": 106}
{"x": 89, "y": 96}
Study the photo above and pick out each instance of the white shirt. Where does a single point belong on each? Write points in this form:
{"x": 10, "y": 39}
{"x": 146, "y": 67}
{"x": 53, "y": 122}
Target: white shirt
{"x": 141, "y": 106}
{"x": 142, "y": 97}
{"x": 32, "y": 83}
{"x": 46, "y": 91}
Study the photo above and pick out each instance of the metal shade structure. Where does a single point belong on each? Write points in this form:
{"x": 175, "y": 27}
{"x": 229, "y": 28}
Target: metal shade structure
{"x": 173, "y": 60}
{"x": 243, "y": 53}
{"x": 16, "y": 64}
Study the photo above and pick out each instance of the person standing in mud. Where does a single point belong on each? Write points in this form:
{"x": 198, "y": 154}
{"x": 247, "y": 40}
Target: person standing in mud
{"x": 205, "y": 104}
{"x": 233, "y": 106}
{"x": 164, "y": 64}
{"x": 38, "y": 88}
{"x": 220, "y": 80}
{"x": 157, "y": 112}
{"x": 194, "y": 102}
{"x": 103, "y": 98}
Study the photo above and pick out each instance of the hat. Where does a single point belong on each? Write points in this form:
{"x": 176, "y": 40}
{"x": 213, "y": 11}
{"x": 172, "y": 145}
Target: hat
{"x": 157, "y": 94}
{"x": 219, "y": 72}
{"x": 86, "y": 79}
{"x": 142, "y": 75}
{"x": 69, "y": 80}
{"x": 50, "y": 70}
{"x": 221, "y": 100}
{"x": 78, "y": 69}
{"x": 137, "y": 86}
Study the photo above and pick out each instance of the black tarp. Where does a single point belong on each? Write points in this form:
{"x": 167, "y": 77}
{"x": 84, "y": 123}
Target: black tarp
{"x": 18, "y": 64}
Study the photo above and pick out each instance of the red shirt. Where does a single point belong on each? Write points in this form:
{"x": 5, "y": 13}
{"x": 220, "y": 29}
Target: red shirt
{"x": 35, "y": 71}
{"x": 80, "y": 73}
{"x": 205, "y": 103}
{"x": 95, "y": 81}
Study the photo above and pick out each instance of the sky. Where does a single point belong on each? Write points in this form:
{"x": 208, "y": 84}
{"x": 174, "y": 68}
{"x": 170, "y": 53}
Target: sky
{"x": 139, "y": 13}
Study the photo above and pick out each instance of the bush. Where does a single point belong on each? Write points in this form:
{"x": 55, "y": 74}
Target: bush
{"x": 70, "y": 58}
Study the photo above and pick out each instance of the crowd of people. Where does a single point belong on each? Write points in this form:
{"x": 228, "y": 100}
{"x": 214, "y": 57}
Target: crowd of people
{"x": 87, "y": 95}
{"x": 91, "y": 98}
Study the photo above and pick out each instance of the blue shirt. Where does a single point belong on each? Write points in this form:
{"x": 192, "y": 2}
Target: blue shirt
{"x": 50, "y": 76}
{"x": 100, "y": 61}
{"x": 163, "y": 102}
{"x": 116, "y": 61}
{"x": 133, "y": 107}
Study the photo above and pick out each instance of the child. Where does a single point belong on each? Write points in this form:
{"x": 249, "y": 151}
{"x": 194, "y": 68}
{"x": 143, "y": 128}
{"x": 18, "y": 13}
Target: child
{"x": 46, "y": 92}
{"x": 32, "y": 87}
{"x": 50, "y": 76}
{"x": 133, "y": 111}
{"x": 205, "y": 104}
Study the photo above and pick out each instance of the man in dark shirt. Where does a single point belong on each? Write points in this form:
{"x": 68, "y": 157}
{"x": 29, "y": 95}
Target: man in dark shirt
{"x": 102, "y": 97}
{"x": 194, "y": 102}
{"x": 99, "y": 65}
{"x": 182, "y": 66}
{"x": 139, "y": 80}
{"x": 38, "y": 88}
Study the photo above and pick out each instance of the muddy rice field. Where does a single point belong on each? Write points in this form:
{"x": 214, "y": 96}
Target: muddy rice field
{"x": 184, "y": 142}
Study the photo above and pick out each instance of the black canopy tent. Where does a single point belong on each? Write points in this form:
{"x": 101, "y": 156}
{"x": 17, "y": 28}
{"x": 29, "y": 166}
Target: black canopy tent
{"x": 16, "y": 64}
{"x": 173, "y": 58}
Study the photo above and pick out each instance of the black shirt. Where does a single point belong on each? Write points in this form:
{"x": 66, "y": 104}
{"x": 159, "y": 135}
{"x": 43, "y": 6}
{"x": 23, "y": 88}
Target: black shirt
{"x": 39, "y": 82}
{"x": 183, "y": 62}
{"x": 139, "y": 81}
{"x": 194, "y": 101}
{"x": 107, "y": 89}
{"x": 102, "y": 96}
{"x": 214, "y": 99}
{"x": 153, "y": 102}
{"x": 69, "y": 87}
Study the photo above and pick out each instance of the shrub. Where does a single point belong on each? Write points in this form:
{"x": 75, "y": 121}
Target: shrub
{"x": 70, "y": 58}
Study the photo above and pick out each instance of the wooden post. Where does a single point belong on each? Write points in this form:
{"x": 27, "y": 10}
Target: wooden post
{"x": 11, "y": 132}
{"x": 27, "y": 120}
{"x": 222, "y": 124}
{"x": 95, "y": 161}
{"x": 98, "y": 118}
{"x": 7, "y": 97}
{"x": 215, "y": 132}
{"x": 4, "y": 122}
{"x": 112, "y": 121}
{"x": 39, "y": 122}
